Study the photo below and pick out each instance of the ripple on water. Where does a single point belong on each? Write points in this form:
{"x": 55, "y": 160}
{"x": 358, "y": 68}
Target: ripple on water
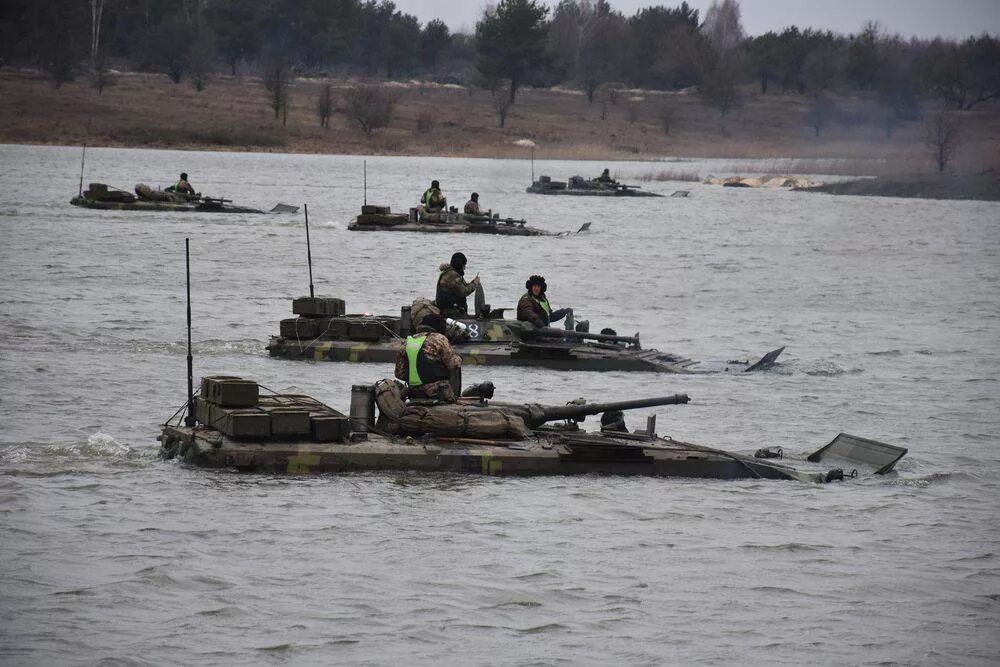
{"x": 174, "y": 564}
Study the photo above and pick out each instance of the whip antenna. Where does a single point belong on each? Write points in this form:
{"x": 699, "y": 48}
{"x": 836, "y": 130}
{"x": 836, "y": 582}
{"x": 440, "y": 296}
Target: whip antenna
{"x": 189, "y": 418}
{"x": 82, "y": 160}
{"x": 309, "y": 256}
{"x": 366, "y": 183}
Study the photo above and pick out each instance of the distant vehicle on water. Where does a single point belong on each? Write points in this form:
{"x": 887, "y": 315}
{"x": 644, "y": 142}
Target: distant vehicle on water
{"x": 577, "y": 185}
{"x": 145, "y": 198}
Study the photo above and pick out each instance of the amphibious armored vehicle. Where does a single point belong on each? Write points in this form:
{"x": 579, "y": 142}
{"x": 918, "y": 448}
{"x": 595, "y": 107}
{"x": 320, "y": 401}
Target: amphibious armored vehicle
{"x": 322, "y": 331}
{"x": 101, "y": 196}
{"x": 577, "y": 185}
{"x": 229, "y": 425}
{"x": 382, "y": 219}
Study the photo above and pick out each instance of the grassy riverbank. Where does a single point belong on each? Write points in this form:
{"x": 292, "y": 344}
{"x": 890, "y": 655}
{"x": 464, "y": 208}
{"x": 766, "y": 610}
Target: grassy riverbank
{"x": 146, "y": 110}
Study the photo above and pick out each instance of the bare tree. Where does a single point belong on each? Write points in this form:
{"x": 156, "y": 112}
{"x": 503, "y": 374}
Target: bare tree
{"x": 200, "y": 58}
{"x": 720, "y": 87}
{"x": 276, "y": 80}
{"x": 723, "y": 27}
{"x": 370, "y": 107}
{"x": 100, "y": 76}
{"x": 324, "y": 105}
{"x": 667, "y": 116}
{"x": 502, "y": 105}
{"x": 942, "y": 137}
{"x": 821, "y": 111}
{"x": 98, "y": 65}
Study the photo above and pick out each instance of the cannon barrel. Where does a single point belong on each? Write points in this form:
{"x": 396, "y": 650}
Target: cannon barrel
{"x": 535, "y": 415}
{"x": 487, "y": 220}
{"x": 607, "y": 338}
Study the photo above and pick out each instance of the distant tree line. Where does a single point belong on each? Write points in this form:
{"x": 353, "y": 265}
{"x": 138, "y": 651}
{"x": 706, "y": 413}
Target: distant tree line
{"x": 185, "y": 38}
{"x": 581, "y": 43}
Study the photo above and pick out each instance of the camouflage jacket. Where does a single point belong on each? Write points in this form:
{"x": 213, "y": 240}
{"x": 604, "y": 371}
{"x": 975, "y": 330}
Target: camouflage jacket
{"x": 452, "y": 290}
{"x": 436, "y": 347}
{"x": 529, "y": 310}
{"x": 472, "y": 207}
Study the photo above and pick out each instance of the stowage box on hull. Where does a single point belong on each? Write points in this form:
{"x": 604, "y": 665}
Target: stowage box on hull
{"x": 229, "y": 392}
{"x": 318, "y": 306}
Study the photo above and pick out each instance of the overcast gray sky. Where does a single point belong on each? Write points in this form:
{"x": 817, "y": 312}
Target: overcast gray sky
{"x": 923, "y": 18}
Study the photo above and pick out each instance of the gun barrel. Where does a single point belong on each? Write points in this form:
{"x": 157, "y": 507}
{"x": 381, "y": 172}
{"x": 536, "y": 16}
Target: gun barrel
{"x": 607, "y": 338}
{"x": 539, "y": 414}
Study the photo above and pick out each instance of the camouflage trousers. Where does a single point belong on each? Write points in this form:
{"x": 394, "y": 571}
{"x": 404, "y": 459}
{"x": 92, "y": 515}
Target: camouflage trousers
{"x": 439, "y": 391}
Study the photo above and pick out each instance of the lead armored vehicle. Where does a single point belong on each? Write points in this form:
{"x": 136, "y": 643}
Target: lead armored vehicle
{"x": 229, "y": 425}
{"x": 145, "y": 198}
{"x": 323, "y": 331}
{"x": 577, "y": 185}
{"x": 382, "y": 219}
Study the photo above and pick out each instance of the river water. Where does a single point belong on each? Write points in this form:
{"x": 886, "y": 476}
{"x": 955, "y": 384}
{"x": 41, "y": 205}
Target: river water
{"x": 889, "y": 309}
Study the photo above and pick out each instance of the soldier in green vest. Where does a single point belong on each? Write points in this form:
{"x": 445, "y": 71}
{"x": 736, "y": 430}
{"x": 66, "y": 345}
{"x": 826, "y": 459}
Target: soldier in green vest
{"x": 433, "y": 200}
{"x": 534, "y": 306}
{"x": 426, "y": 359}
{"x": 182, "y": 186}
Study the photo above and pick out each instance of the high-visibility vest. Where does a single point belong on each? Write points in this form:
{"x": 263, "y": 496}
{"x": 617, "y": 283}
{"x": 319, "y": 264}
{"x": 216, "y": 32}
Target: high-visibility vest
{"x": 544, "y": 303}
{"x": 422, "y": 370}
{"x": 413, "y": 346}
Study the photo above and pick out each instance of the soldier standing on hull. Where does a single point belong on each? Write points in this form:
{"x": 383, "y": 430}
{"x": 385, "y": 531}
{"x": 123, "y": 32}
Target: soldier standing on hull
{"x": 426, "y": 361}
{"x": 534, "y": 306}
{"x": 452, "y": 289}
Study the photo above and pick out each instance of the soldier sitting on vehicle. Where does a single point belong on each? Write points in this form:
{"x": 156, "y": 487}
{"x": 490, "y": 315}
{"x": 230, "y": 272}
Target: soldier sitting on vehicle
{"x": 472, "y": 206}
{"x": 534, "y": 306}
{"x": 452, "y": 288}
{"x": 433, "y": 200}
{"x": 605, "y": 177}
{"x": 426, "y": 361}
{"x": 182, "y": 186}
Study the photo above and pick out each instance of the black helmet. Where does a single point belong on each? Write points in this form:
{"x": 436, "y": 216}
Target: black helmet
{"x": 184, "y": 176}
{"x": 458, "y": 261}
{"x": 435, "y": 184}
{"x": 535, "y": 280}
{"x": 434, "y": 321}
{"x": 475, "y": 196}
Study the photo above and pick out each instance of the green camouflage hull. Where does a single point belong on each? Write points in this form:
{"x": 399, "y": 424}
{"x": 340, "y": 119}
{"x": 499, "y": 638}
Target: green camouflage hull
{"x": 142, "y": 205}
{"x": 567, "y": 358}
{"x": 578, "y": 454}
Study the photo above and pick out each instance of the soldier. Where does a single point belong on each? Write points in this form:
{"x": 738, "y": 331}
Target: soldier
{"x": 605, "y": 177}
{"x": 534, "y": 306}
{"x": 452, "y": 288}
{"x": 433, "y": 199}
{"x": 426, "y": 360}
{"x": 182, "y": 186}
{"x": 472, "y": 206}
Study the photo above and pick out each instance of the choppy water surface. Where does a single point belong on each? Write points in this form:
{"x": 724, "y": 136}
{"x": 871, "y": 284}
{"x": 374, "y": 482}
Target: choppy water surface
{"x": 889, "y": 309}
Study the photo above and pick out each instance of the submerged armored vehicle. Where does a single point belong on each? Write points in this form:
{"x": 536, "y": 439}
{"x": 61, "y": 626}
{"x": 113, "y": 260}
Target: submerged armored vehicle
{"x": 577, "y": 185}
{"x": 229, "y": 425}
{"x": 324, "y": 332}
{"x": 101, "y": 196}
{"x": 381, "y": 218}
